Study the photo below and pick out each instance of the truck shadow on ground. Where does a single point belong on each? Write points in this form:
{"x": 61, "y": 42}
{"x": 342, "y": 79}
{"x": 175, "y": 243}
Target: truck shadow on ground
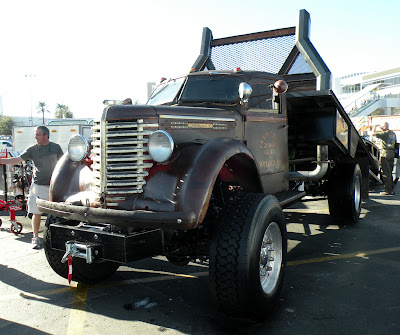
{"x": 170, "y": 297}
{"x": 11, "y": 328}
{"x": 175, "y": 295}
{"x": 156, "y": 292}
{"x": 314, "y": 233}
{"x": 28, "y": 286}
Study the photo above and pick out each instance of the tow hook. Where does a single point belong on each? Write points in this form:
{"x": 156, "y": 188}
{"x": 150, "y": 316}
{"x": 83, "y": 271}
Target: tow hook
{"x": 78, "y": 249}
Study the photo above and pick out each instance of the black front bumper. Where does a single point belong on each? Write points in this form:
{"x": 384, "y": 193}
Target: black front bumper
{"x": 110, "y": 246}
{"x": 121, "y": 218}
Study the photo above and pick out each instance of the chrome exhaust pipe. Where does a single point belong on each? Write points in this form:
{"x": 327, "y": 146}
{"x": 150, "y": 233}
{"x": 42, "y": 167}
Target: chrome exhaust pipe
{"x": 318, "y": 172}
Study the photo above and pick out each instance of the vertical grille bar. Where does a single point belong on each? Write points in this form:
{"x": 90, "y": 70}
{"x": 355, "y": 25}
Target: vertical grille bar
{"x": 120, "y": 159}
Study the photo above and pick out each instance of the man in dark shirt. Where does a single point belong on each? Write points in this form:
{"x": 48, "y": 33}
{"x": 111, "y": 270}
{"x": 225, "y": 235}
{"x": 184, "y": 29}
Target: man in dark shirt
{"x": 44, "y": 155}
{"x": 388, "y": 144}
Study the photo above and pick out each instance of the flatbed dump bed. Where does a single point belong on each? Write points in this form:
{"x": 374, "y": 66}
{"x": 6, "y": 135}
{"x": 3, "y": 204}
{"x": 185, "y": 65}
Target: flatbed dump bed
{"x": 317, "y": 117}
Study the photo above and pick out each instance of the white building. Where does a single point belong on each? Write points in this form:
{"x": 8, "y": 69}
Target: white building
{"x": 370, "y": 94}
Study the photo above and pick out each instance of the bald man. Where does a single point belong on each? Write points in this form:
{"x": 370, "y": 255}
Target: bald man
{"x": 44, "y": 155}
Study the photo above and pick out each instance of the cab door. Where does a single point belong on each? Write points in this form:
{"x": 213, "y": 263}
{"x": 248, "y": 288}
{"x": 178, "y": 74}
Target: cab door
{"x": 266, "y": 134}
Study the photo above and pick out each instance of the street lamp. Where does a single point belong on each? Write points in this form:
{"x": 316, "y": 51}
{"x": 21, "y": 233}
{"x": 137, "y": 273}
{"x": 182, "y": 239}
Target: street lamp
{"x": 30, "y": 77}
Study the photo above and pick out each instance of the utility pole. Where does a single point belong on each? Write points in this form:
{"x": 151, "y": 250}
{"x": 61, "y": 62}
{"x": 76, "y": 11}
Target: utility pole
{"x": 30, "y": 77}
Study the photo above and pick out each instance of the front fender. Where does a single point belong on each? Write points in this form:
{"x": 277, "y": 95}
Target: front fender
{"x": 197, "y": 187}
{"x": 68, "y": 179}
{"x": 183, "y": 185}
{"x": 186, "y": 183}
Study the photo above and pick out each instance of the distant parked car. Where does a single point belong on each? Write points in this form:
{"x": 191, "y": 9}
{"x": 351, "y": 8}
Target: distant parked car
{"x": 6, "y": 144}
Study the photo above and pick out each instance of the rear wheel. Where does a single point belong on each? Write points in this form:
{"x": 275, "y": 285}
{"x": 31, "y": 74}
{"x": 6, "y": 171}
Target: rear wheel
{"x": 344, "y": 195}
{"x": 248, "y": 257}
{"x": 81, "y": 271}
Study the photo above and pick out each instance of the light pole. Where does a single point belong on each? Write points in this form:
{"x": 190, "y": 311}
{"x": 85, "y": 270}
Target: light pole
{"x": 30, "y": 77}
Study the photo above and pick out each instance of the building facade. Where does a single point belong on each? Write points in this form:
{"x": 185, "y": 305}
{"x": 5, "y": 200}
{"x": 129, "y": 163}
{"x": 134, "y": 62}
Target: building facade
{"x": 370, "y": 94}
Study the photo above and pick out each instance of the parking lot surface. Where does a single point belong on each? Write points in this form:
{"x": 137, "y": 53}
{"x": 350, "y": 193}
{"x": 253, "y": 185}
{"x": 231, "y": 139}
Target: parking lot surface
{"x": 339, "y": 280}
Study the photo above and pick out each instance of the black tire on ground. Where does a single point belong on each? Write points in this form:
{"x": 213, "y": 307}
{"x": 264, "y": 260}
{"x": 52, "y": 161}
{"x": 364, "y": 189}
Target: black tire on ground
{"x": 179, "y": 261}
{"x": 81, "y": 271}
{"x": 248, "y": 257}
{"x": 344, "y": 195}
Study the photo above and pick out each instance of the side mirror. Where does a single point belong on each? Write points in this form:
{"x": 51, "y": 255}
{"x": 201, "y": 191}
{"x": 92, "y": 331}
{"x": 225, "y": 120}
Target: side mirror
{"x": 244, "y": 92}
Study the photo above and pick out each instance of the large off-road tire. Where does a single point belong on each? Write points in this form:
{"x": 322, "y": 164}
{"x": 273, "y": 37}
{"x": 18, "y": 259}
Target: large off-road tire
{"x": 81, "y": 271}
{"x": 344, "y": 194}
{"x": 248, "y": 257}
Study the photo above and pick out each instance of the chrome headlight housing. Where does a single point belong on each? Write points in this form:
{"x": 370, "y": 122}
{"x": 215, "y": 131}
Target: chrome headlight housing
{"x": 78, "y": 148}
{"x": 161, "y": 146}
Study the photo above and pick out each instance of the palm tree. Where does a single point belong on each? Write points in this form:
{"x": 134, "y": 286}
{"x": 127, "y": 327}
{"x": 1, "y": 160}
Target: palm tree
{"x": 63, "y": 112}
{"x": 41, "y": 108}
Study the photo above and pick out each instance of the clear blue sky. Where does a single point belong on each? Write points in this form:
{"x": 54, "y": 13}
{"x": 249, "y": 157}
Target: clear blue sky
{"x": 84, "y": 51}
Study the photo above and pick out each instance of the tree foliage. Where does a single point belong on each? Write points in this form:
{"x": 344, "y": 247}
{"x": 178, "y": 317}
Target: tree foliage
{"x": 63, "y": 112}
{"x": 6, "y": 125}
{"x": 41, "y": 108}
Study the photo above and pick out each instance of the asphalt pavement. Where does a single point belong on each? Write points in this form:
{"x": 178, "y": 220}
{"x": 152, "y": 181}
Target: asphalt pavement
{"x": 339, "y": 280}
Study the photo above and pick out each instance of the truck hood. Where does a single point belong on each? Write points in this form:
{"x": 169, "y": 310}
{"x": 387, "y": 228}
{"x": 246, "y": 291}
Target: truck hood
{"x": 129, "y": 112}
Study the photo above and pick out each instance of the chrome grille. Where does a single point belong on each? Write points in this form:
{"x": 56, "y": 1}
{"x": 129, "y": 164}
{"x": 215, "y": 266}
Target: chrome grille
{"x": 120, "y": 159}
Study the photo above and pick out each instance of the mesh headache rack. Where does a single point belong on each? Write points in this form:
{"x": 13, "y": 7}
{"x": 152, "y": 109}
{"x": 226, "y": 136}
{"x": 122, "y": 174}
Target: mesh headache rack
{"x": 287, "y": 52}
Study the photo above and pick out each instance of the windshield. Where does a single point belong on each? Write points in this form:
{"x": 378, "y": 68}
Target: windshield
{"x": 211, "y": 88}
{"x": 166, "y": 92}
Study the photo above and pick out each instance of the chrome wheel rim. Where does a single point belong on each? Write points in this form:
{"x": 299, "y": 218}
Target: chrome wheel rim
{"x": 357, "y": 193}
{"x": 271, "y": 258}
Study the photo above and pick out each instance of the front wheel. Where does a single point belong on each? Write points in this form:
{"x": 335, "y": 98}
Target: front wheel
{"x": 81, "y": 271}
{"x": 248, "y": 256}
{"x": 344, "y": 195}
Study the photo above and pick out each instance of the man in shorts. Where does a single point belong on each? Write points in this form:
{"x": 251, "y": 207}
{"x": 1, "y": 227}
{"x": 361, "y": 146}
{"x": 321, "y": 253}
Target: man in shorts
{"x": 44, "y": 155}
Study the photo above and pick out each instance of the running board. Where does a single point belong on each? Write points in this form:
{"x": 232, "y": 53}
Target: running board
{"x": 375, "y": 177}
{"x": 287, "y": 198}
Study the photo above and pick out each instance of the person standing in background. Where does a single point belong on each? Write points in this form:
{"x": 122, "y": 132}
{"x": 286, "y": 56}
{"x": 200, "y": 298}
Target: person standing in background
{"x": 388, "y": 144}
{"x": 44, "y": 155}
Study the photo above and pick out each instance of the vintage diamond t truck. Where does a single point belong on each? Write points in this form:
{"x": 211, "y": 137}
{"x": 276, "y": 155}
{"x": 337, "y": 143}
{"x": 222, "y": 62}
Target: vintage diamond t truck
{"x": 203, "y": 170}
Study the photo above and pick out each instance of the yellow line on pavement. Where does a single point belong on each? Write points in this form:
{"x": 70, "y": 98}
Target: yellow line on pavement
{"x": 162, "y": 273}
{"x": 305, "y": 210}
{"x": 81, "y": 290}
{"x": 335, "y": 257}
{"x": 63, "y": 289}
{"x": 77, "y": 316}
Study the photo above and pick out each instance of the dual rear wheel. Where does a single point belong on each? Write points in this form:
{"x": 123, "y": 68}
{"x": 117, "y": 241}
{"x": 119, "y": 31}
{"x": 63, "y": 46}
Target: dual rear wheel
{"x": 344, "y": 194}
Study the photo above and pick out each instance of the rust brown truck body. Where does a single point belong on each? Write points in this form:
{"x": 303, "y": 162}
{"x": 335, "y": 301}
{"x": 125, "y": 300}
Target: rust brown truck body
{"x": 237, "y": 141}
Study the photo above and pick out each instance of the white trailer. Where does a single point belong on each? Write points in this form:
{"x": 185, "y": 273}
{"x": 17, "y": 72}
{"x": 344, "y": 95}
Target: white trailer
{"x": 23, "y": 137}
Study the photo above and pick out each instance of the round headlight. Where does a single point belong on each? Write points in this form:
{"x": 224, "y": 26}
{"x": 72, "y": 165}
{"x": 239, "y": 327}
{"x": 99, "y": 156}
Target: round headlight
{"x": 160, "y": 146}
{"x": 78, "y": 148}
